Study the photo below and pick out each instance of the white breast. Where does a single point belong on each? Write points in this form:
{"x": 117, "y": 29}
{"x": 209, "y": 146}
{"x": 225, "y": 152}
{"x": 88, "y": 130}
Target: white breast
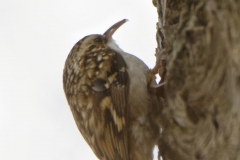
{"x": 137, "y": 70}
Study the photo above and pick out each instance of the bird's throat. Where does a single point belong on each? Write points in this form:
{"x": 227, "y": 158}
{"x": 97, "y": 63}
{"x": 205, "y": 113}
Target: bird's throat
{"x": 112, "y": 44}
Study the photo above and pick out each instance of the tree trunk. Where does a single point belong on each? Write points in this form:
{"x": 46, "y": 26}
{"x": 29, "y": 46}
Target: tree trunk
{"x": 201, "y": 115}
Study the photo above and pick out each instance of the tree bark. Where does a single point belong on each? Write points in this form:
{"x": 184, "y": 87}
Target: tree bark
{"x": 200, "y": 119}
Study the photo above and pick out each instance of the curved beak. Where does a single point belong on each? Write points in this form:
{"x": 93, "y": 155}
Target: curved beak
{"x": 108, "y": 34}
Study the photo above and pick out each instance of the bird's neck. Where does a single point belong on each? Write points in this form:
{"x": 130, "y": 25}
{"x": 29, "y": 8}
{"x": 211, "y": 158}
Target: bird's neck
{"x": 112, "y": 44}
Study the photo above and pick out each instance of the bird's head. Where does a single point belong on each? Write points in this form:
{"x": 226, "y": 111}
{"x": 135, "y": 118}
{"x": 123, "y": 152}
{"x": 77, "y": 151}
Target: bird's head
{"x": 97, "y": 42}
{"x": 89, "y": 53}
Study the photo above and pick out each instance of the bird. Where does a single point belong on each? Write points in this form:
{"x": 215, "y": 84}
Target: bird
{"x": 108, "y": 93}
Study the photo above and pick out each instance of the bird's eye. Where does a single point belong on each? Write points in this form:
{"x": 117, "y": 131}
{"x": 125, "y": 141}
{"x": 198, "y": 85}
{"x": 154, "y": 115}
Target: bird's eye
{"x": 97, "y": 40}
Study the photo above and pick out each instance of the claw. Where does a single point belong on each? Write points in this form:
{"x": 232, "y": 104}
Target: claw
{"x": 157, "y": 85}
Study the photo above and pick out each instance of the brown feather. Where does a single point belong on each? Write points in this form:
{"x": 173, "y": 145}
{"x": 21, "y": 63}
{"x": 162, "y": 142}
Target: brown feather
{"x": 96, "y": 84}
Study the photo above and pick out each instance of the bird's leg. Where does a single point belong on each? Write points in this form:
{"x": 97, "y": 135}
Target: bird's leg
{"x": 159, "y": 68}
{"x": 160, "y": 90}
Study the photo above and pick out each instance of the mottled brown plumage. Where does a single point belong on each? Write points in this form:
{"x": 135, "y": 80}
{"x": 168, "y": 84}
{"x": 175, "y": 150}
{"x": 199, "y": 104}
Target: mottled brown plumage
{"x": 107, "y": 92}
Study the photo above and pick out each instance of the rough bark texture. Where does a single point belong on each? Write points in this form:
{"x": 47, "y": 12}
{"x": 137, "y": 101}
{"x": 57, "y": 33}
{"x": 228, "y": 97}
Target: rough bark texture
{"x": 201, "y": 117}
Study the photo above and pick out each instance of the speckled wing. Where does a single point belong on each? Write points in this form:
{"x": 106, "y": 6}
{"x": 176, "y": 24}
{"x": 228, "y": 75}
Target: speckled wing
{"x": 96, "y": 85}
{"x": 110, "y": 94}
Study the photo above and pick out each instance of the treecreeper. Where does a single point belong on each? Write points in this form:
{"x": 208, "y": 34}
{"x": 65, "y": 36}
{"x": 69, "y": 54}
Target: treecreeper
{"x": 110, "y": 95}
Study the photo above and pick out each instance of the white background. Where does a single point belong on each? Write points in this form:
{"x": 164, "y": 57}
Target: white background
{"x": 35, "y": 39}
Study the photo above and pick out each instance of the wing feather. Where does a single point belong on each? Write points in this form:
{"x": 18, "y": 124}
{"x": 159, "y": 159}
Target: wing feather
{"x": 113, "y": 141}
{"x": 96, "y": 84}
